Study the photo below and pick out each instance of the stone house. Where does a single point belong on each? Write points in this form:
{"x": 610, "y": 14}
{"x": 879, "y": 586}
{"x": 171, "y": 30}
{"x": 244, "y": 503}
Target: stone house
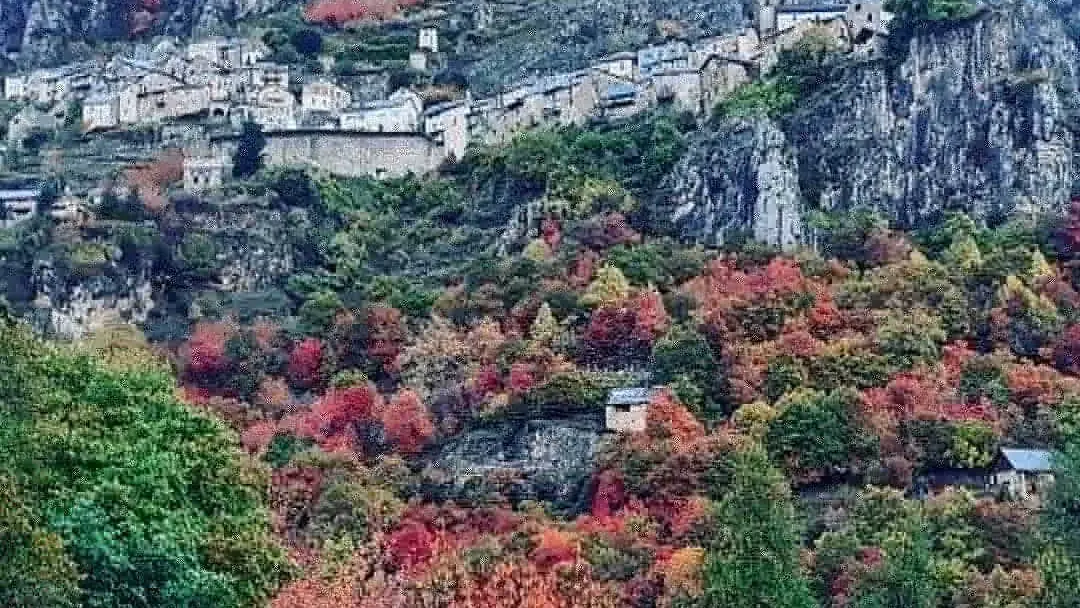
{"x": 101, "y": 111}
{"x": 788, "y": 15}
{"x": 401, "y": 113}
{"x": 46, "y": 86}
{"x": 17, "y": 205}
{"x": 626, "y": 409}
{"x": 448, "y": 125}
{"x": 671, "y": 56}
{"x": 206, "y": 171}
{"x": 252, "y": 51}
{"x": 621, "y": 100}
{"x": 620, "y": 65}
{"x": 418, "y": 60}
{"x": 69, "y": 209}
{"x": 275, "y": 109}
{"x": 32, "y": 118}
{"x": 324, "y": 96}
{"x": 173, "y": 103}
{"x": 1022, "y": 473}
{"x": 267, "y": 74}
{"x": 743, "y": 45}
{"x": 221, "y": 52}
{"x": 679, "y": 88}
{"x": 428, "y": 39}
{"x": 16, "y": 87}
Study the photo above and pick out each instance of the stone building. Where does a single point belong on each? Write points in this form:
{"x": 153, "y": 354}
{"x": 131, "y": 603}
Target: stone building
{"x": 275, "y": 109}
{"x": 626, "y": 409}
{"x": 205, "y": 171}
{"x": 101, "y": 111}
{"x": 678, "y": 88}
{"x": 401, "y": 113}
{"x": 324, "y": 96}
{"x": 620, "y": 100}
{"x": 428, "y": 39}
{"x": 671, "y": 56}
{"x": 30, "y": 119}
{"x": 788, "y": 15}
{"x": 448, "y": 126}
{"x": 620, "y": 65}
{"x": 17, "y": 205}
{"x": 15, "y": 87}
{"x": 1022, "y": 473}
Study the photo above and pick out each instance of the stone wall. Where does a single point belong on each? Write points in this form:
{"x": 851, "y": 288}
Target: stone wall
{"x": 355, "y": 154}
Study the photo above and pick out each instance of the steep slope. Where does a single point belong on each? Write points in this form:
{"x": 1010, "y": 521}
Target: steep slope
{"x": 517, "y": 39}
{"x": 48, "y": 31}
{"x": 977, "y": 116}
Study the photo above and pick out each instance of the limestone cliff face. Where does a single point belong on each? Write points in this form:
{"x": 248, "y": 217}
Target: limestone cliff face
{"x": 978, "y": 116}
{"x": 48, "y": 31}
{"x": 254, "y": 255}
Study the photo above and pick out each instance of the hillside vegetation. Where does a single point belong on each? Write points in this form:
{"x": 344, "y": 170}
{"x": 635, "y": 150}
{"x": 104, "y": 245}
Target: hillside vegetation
{"x": 806, "y": 393}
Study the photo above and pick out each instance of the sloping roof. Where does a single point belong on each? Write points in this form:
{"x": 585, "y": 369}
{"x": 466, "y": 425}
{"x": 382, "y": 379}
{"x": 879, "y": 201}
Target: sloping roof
{"x": 812, "y": 8}
{"x": 9, "y": 195}
{"x": 620, "y": 91}
{"x": 630, "y": 396}
{"x": 1035, "y": 461}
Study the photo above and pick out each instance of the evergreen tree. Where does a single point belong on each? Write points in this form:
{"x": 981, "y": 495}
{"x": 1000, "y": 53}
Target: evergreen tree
{"x": 755, "y": 561}
{"x": 1060, "y": 562}
{"x": 249, "y": 153}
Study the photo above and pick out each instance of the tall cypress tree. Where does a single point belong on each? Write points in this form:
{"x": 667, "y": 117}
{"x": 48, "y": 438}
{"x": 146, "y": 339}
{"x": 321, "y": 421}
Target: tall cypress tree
{"x": 754, "y": 563}
{"x": 249, "y": 152}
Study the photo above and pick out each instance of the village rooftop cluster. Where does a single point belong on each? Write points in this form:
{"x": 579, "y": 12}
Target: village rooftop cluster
{"x": 315, "y": 121}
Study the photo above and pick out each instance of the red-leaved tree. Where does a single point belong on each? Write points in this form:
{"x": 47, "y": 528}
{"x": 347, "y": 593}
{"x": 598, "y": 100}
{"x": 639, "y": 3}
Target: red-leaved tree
{"x": 407, "y": 422}
{"x": 305, "y": 361}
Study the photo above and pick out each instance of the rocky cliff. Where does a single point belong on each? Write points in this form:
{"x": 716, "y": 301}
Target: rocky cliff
{"x": 544, "y": 460}
{"x": 48, "y": 31}
{"x": 976, "y": 116}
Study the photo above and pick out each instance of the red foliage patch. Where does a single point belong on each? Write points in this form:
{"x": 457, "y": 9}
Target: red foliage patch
{"x": 411, "y": 545}
{"x": 344, "y": 11}
{"x": 305, "y": 361}
{"x": 204, "y": 352}
{"x": 151, "y": 179}
{"x": 407, "y": 423}
{"x": 332, "y": 420}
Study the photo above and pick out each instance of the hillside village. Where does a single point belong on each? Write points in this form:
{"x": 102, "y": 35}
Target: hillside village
{"x": 211, "y": 87}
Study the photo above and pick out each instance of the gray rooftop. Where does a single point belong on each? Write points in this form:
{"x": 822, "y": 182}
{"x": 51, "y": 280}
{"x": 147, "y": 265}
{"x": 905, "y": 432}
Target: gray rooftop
{"x": 1031, "y": 461}
{"x": 812, "y": 8}
{"x": 15, "y": 195}
{"x": 620, "y": 91}
{"x": 630, "y": 396}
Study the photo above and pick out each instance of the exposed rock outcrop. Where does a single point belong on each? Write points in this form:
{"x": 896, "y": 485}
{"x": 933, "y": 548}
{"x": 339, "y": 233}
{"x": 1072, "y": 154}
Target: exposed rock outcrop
{"x": 546, "y": 460}
{"x": 979, "y": 116}
{"x": 47, "y": 31}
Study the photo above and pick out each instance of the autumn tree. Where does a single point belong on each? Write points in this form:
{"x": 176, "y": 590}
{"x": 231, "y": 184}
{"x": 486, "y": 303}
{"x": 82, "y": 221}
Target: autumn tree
{"x": 609, "y": 289}
{"x": 407, "y": 423}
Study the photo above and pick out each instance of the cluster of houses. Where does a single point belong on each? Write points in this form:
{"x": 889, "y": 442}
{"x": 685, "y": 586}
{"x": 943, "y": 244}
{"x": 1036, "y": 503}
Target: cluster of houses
{"x": 225, "y": 82}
